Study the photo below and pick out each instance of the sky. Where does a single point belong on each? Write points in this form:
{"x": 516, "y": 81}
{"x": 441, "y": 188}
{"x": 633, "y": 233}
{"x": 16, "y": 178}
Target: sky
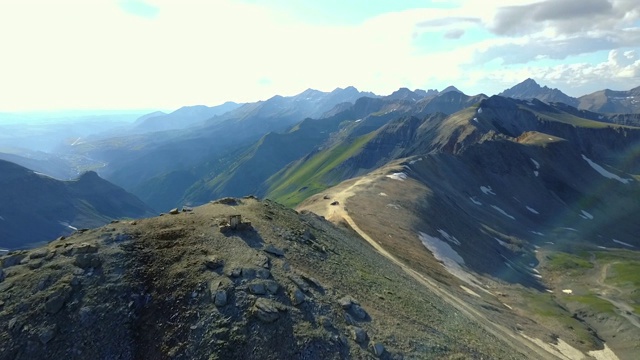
{"x": 164, "y": 54}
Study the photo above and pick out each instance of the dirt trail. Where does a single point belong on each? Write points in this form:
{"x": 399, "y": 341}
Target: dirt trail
{"x": 337, "y": 213}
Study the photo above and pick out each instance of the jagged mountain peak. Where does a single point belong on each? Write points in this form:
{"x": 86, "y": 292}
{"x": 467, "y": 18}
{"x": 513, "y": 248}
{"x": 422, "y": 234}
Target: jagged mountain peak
{"x": 530, "y": 89}
{"x": 450, "y": 88}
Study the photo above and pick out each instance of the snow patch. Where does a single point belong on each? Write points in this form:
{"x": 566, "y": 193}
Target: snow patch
{"x": 469, "y": 291}
{"x": 449, "y": 238}
{"x": 487, "y": 190}
{"x": 398, "y": 176}
{"x": 602, "y": 171}
{"x": 570, "y": 229}
{"x": 622, "y": 243}
{"x": 473, "y": 200}
{"x": 535, "y": 163}
{"x": 1, "y": 218}
{"x": 358, "y": 120}
{"x": 537, "y": 233}
{"x": 474, "y": 119}
{"x": 414, "y": 161}
{"x": 551, "y": 139}
{"x": 449, "y": 258}
{"x": 382, "y": 194}
{"x": 585, "y": 215}
{"x": 503, "y": 212}
{"x": 536, "y": 173}
{"x": 533, "y": 210}
{"x": 567, "y": 291}
{"x": 501, "y": 242}
{"x": 604, "y": 354}
{"x": 602, "y": 247}
{"x": 395, "y": 206}
{"x": 479, "y": 110}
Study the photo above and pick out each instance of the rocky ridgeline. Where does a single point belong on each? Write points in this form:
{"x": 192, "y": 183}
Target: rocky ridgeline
{"x": 183, "y": 286}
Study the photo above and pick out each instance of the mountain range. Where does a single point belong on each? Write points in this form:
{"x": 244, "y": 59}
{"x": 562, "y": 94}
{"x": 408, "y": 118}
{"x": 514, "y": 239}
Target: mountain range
{"x": 38, "y": 208}
{"x": 427, "y": 224}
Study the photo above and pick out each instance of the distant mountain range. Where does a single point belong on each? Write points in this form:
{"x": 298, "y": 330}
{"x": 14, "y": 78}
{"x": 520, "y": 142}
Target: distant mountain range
{"x": 38, "y": 208}
{"x": 604, "y": 101}
{"x": 516, "y": 213}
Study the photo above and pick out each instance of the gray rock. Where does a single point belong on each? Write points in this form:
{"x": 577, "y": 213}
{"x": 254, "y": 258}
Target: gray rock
{"x": 263, "y": 261}
{"x": 378, "y": 349}
{"x": 86, "y": 261}
{"x": 299, "y": 282}
{"x": 297, "y": 297}
{"x": 13, "y": 259}
{"x": 220, "y": 298}
{"x": 358, "y": 334}
{"x": 235, "y": 272}
{"x": 12, "y": 324}
{"x": 273, "y": 250}
{"x": 257, "y": 288}
{"x": 346, "y": 301}
{"x": 272, "y": 287}
{"x": 358, "y": 312}
{"x": 263, "y": 273}
{"x": 248, "y": 273}
{"x": 56, "y": 300}
{"x": 2, "y": 276}
{"x": 213, "y": 263}
{"x": 47, "y": 334}
{"x": 266, "y": 310}
{"x": 85, "y": 248}
{"x": 87, "y": 317}
{"x": 174, "y": 211}
{"x": 39, "y": 253}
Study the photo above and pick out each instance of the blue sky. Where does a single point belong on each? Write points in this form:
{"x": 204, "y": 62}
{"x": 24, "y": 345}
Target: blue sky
{"x": 132, "y": 54}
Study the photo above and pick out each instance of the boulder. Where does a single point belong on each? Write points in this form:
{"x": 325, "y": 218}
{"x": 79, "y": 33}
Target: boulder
{"x": 85, "y": 248}
{"x": 39, "y": 253}
{"x": 174, "y": 211}
{"x": 86, "y": 261}
{"x": 266, "y": 310}
{"x": 220, "y": 298}
{"x": 257, "y": 288}
{"x": 47, "y": 333}
{"x": 57, "y": 299}
{"x": 358, "y": 312}
{"x": 297, "y": 297}
{"x": 13, "y": 259}
{"x": 273, "y": 250}
{"x": 358, "y": 334}
{"x": 213, "y": 263}
{"x": 378, "y": 349}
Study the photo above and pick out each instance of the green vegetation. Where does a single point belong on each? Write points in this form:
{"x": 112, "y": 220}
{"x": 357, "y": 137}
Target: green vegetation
{"x": 561, "y": 261}
{"x": 311, "y": 176}
{"x": 594, "y": 303}
{"x": 626, "y": 273}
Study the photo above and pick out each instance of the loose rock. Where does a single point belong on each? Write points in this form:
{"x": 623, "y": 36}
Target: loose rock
{"x": 213, "y": 263}
{"x": 266, "y": 310}
{"x": 378, "y": 349}
{"x": 297, "y": 297}
{"x": 174, "y": 211}
{"x": 86, "y": 261}
{"x": 220, "y": 298}
{"x": 273, "y": 250}
{"x": 358, "y": 334}
{"x": 56, "y": 301}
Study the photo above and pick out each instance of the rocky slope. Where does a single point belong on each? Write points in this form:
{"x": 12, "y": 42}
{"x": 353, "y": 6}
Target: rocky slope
{"x": 189, "y": 286}
{"x": 611, "y": 101}
{"x": 38, "y": 208}
{"x": 516, "y": 201}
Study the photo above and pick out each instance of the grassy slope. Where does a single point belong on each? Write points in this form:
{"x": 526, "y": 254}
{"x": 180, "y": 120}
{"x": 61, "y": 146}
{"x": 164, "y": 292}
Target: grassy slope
{"x": 292, "y": 185}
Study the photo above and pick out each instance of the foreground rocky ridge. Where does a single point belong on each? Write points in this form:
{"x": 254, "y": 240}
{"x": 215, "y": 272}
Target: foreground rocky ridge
{"x": 190, "y": 286}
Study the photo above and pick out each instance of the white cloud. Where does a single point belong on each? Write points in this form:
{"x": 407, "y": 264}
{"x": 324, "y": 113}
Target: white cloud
{"x": 80, "y": 54}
